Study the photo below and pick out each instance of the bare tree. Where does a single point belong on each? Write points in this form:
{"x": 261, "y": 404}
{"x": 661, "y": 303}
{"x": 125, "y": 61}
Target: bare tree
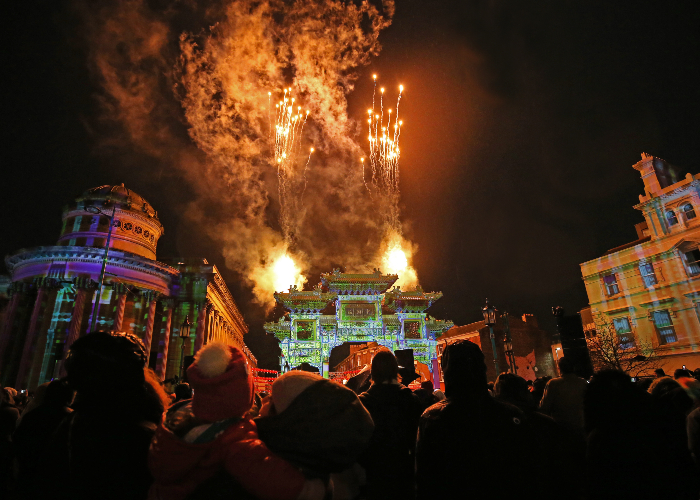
{"x": 624, "y": 352}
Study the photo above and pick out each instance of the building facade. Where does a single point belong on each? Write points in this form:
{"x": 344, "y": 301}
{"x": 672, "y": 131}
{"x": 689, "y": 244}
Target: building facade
{"x": 532, "y": 346}
{"x": 52, "y": 294}
{"x": 648, "y": 291}
{"x": 364, "y": 312}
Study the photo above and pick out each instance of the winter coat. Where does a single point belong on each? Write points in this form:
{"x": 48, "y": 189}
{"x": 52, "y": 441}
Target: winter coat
{"x": 179, "y": 467}
{"x": 95, "y": 453}
{"x": 477, "y": 444}
{"x": 323, "y": 430}
{"x": 30, "y": 440}
{"x": 389, "y": 458}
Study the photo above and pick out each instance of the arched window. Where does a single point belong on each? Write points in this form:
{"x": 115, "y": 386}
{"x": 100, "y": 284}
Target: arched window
{"x": 671, "y": 218}
{"x": 689, "y": 211}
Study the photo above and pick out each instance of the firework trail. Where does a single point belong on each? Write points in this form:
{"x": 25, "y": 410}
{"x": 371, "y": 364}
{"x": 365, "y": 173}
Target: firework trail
{"x": 288, "y": 129}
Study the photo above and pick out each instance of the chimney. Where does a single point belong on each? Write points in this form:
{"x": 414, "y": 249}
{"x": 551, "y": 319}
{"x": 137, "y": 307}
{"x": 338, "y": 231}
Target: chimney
{"x": 530, "y": 320}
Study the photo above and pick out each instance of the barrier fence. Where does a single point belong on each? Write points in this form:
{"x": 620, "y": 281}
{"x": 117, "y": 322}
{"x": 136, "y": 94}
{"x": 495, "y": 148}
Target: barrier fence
{"x": 340, "y": 376}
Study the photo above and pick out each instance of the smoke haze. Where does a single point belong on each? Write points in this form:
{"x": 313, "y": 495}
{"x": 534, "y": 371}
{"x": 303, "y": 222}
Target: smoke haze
{"x": 208, "y": 71}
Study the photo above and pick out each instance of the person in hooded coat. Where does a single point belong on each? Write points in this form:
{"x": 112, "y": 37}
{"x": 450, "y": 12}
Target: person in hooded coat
{"x": 395, "y": 409}
{"x": 318, "y": 425}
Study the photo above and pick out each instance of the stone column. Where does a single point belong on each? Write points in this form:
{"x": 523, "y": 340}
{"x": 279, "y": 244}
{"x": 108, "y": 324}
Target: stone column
{"x": 50, "y": 333}
{"x": 76, "y": 319}
{"x": 148, "y": 334}
{"x": 162, "y": 365}
{"x": 121, "y": 307}
{"x": 6, "y": 333}
{"x": 29, "y": 340}
{"x": 199, "y": 334}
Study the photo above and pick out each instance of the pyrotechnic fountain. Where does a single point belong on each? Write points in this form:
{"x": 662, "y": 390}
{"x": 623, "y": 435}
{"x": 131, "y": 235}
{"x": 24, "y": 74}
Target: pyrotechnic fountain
{"x": 286, "y": 142}
{"x": 383, "y": 137}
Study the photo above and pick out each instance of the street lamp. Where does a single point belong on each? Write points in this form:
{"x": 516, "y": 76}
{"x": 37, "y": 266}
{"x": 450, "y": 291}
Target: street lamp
{"x": 508, "y": 341}
{"x": 184, "y": 335}
{"x": 94, "y": 210}
{"x": 490, "y": 319}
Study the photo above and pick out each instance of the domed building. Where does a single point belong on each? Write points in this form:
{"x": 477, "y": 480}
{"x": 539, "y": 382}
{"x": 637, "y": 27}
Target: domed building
{"x": 54, "y": 297}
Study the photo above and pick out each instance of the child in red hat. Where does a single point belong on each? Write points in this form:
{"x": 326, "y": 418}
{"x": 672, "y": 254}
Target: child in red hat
{"x": 210, "y": 436}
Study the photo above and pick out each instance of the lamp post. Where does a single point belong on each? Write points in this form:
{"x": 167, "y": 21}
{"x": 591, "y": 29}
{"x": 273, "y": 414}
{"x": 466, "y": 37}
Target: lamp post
{"x": 94, "y": 210}
{"x": 184, "y": 335}
{"x": 490, "y": 319}
{"x": 508, "y": 341}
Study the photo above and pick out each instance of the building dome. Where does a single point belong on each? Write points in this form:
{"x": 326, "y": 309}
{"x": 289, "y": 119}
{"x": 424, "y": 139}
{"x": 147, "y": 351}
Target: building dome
{"x": 121, "y": 195}
{"x": 136, "y": 227}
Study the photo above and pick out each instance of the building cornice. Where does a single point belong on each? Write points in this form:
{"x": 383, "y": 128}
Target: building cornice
{"x": 116, "y": 258}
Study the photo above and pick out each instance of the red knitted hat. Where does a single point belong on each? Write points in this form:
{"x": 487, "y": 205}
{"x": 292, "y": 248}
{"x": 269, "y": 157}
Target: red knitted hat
{"x": 222, "y": 383}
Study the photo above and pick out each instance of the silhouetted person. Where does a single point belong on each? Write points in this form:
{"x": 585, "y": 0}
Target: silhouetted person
{"x": 563, "y": 397}
{"x": 550, "y": 436}
{"x": 101, "y": 449}
{"x": 538, "y": 387}
{"x": 389, "y": 458}
{"x": 426, "y": 394}
{"x": 34, "y": 433}
{"x": 473, "y": 444}
{"x": 659, "y": 372}
{"x": 693, "y": 430}
{"x": 9, "y": 414}
{"x": 628, "y": 433}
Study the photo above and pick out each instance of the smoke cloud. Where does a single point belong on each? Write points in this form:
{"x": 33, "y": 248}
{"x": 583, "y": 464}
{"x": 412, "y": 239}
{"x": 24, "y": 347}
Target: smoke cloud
{"x": 189, "y": 86}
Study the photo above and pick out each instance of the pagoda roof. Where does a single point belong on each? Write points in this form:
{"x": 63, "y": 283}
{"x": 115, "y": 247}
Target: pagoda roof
{"x": 410, "y": 301}
{"x": 299, "y": 301}
{"x": 358, "y": 284}
{"x": 439, "y": 326}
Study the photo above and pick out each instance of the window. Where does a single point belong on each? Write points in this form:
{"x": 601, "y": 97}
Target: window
{"x": 624, "y": 332}
{"x": 693, "y": 258}
{"x": 648, "y": 275}
{"x": 689, "y": 211}
{"x": 305, "y": 330}
{"x": 411, "y": 329}
{"x": 671, "y": 218}
{"x": 664, "y": 327}
{"x": 611, "y": 284}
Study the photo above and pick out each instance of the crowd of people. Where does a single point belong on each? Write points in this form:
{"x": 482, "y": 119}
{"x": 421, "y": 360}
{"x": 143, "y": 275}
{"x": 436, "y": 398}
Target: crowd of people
{"x": 112, "y": 430}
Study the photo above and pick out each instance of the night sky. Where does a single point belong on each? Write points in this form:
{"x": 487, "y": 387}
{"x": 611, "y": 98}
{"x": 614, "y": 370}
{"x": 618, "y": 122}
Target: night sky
{"x": 523, "y": 120}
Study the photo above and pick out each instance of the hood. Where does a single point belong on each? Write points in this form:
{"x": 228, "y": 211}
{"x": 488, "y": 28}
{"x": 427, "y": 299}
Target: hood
{"x": 324, "y": 429}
